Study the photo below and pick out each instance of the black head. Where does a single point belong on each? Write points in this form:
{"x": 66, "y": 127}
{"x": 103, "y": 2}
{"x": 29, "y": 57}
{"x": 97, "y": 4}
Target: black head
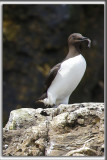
{"x": 77, "y": 39}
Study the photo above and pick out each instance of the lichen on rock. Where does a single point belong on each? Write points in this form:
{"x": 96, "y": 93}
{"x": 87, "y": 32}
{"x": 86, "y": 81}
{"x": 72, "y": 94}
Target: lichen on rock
{"x": 69, "y": 130}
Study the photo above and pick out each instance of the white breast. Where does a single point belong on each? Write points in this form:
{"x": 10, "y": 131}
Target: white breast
{"x": 67, "y": 79}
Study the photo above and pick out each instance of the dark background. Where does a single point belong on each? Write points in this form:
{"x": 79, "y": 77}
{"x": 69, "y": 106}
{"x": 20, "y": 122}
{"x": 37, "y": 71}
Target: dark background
{"x": 35, "y": 39}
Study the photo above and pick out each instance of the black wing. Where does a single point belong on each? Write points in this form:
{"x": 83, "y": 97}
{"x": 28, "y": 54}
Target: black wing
{"x": 49, "y": 80}
{"x": 51, "y": 76}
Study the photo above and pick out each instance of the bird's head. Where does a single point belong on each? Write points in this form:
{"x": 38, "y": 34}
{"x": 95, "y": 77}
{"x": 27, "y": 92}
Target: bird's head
{"x": 78, "y": 40}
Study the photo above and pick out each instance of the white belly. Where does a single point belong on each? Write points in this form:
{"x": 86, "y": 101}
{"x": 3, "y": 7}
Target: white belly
{"x": 67, "y": 79}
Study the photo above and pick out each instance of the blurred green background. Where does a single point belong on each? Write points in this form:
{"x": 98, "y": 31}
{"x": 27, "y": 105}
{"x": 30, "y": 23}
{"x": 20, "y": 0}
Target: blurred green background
{"x": 35, "y": 39}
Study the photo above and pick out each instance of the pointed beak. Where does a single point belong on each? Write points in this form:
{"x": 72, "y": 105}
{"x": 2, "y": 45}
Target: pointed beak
{"x": 88, "y": 40}
{"x": 84, "y": 38}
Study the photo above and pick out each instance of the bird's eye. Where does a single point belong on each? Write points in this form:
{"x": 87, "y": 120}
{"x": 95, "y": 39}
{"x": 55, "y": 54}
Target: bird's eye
{"x": 73, "y": 37}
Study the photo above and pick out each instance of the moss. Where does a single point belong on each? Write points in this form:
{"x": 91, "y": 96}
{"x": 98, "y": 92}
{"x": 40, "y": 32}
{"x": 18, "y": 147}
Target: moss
{"x": 13, "y": 125}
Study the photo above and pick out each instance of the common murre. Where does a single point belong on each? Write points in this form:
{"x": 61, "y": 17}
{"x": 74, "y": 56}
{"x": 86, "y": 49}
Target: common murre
{"x": 65, "y": 76}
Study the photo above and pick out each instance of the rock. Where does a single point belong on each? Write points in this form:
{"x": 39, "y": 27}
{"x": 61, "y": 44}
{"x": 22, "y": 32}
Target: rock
{"x": 69, "y": 130}
{"x": 24, "y": 118}
{"x": 82, "y": 151}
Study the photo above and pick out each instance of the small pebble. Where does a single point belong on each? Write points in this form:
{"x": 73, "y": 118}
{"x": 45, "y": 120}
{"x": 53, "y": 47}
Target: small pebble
{"x": 80, "y": 121}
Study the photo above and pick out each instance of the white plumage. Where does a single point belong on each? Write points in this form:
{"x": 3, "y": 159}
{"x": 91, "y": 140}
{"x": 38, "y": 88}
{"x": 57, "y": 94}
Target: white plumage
{"x": 68, "y": 77}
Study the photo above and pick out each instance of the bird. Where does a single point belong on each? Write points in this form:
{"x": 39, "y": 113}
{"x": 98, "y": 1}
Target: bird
{"x": 65, "y": 76}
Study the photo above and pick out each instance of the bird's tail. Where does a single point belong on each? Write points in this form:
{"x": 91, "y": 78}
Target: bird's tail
{"x": 40, "y": 99}
{"x": 42, "y": 102}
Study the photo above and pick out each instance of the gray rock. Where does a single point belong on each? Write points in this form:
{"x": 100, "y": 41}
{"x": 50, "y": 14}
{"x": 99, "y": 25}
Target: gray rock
{"x": 24, "y": 118}
{"x": 69, "y": 130}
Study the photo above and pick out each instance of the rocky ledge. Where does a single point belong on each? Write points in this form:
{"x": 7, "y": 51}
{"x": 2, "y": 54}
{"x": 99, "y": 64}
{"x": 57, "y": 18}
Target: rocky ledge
{"x": 69, "y": 130}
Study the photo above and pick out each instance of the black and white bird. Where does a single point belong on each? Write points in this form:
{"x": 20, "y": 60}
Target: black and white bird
{"x": 65, "y": 76}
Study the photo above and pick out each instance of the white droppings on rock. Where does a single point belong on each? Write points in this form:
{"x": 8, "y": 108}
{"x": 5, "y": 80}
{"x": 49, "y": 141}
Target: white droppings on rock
{"x": 50, "y": 148}
{"x": 5, "y": 146}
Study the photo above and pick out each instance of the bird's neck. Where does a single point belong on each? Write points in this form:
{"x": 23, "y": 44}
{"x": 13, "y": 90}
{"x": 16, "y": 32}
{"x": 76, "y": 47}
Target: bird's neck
{"x": 73, "y": 51}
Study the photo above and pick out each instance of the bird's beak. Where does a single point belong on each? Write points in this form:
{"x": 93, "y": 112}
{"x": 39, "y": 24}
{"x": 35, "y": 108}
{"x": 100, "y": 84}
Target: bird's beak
{"x": 88, "y": 40}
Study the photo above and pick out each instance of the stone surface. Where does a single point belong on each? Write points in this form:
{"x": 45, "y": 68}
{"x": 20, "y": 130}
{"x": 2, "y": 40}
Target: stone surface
{"x": 69, "y": 130}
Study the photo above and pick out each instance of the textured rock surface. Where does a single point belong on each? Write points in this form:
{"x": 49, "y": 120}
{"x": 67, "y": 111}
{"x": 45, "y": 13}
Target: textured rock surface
{"x": 69, "y": 130}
